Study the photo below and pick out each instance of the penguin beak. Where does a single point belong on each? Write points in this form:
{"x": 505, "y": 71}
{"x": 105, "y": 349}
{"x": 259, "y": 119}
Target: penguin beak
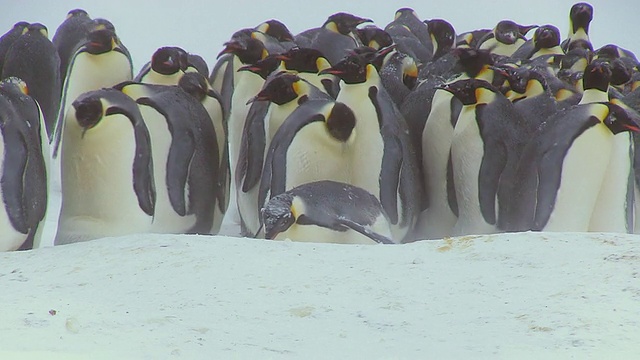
{"x": 259, "y": 97}
{"x": 214, "y": 94}
{"x": 524, "y": 29}
{"x": 331, "y": 71}
{"x": 283, "y": 57}
{"x": 230, "y": 47}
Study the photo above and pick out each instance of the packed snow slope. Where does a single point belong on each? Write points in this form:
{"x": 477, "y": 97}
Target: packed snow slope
{"x": 529, "y": 295}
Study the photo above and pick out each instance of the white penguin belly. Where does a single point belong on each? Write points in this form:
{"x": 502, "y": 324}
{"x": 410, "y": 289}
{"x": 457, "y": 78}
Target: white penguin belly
{"x": 165, "y": 219}
{"x": 438, "y": 220}
{"x": 583, "y": 171}
{"x": 98, "y": 198}
{"x": 610, "y": 210}
{"x": 318, "y": 234}
{"x": 313, "y": 155}
{"x": 155, "y": 78}
{"x": 467, "y": 150}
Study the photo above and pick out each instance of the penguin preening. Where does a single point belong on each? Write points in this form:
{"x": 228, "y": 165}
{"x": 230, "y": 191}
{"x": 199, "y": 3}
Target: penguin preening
{"x": 326, "y": 211}
{"x": 23, "y": 169}
{"x": 108, "y": 185}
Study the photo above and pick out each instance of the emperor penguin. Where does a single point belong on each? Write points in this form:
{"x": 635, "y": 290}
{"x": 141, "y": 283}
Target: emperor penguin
{"x": 9, "y": 37}
{"x": 399, "y": 75}
{"x": 545, "y": 41}
{"x": 432, "y": 123}
{"x": 335, "y": 38}
{"x": 68, "y": 35}
{"x": 374, "y": 37}
{"x": 23, "y": 169}
{"x": 409, "y": 18}
{"x": 580, "y": 17}
{"x": 307, "y": 63}
{"x": 33, "y": 58}
{"x": 504, "y": 39}
{"x": 552, "y": 192}
{"x": 279, "y": 31}
{"x": 326, "y": 211}
{"x": 166, "y": 67}
{"x": 384, "y": 160}
{"x": 108, "y": 186}
{"x": 284, "y": 92}
{"x": 411, "y": 35}
{"x": 487, "y": 142}
{"x": 101, "y": 62}
{"x": 185, "y": 158}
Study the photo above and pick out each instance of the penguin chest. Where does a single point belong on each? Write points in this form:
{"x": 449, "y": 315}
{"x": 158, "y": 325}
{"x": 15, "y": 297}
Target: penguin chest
{"x": 247, "y": 88}
{"x": 97, "y": 174}
{"x": 319, "y": 234}
{"x": 156, "y": 78}
{"x": 314, "y": 155}
{"x": 582, "y": 175}
{"x": 436, "y": 146}
{"x": 467, "y": 152}
{"x": 93, "y": 72}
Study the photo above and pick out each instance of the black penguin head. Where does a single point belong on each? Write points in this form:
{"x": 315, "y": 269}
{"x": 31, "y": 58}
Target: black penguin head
{"x": 343, "y": 23}
{"x": 341, "y": 122}
{"x": 101, "y": 24}
{"x": 405, "y": 12}
{"x": 280, "y": 90}
{"x": 621, "y": 118}
{"x": 516, "y": 76}
{"x": 275, "y": 29}
{"x": 597, "y": 75}
{"x": 249, "y": 50}
{"x": 546, "y": 37}
{"x": 507, "y": 32}
{"x": 580, "y": 44}
{"x": 278, "y": 215}
{"x": 374, "y": 37}
{"x": 194, "y": 84}
{"x": 467, "y": 90}
{"x": 580, "y": 16}
{"x": 263, "y": 67}
{"x": 77, "y": 12}
{"x": 472, "y": 61}
{"x": 100, "y": 41}
{"x": 89, "y": 111}
{"x": 39, "y": 29}
{"x": 576, "y": 60}
{"x": 442, "y": 35}
{"x": 352, "y": 69}
{"x": 305, "y": 60}
{"x": 20, "y": 27}
{"x": 169, "y": 60}
{"x": 620, "y": 73}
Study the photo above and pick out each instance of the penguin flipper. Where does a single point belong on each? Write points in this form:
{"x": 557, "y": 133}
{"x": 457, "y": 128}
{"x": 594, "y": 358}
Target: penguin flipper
{"x": 390, "y": 177}
{"x": 143, "y": 72}
{"x": 379, "y": 238}
{"x": 256, "y": 142}
{"x": 14, "y": 165}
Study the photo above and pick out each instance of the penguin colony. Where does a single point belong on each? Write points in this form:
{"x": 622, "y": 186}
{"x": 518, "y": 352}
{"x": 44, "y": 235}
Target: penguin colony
{"x": 344, "y": 133}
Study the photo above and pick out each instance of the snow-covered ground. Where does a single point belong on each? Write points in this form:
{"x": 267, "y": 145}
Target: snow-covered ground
{"x": 508, "y": 296}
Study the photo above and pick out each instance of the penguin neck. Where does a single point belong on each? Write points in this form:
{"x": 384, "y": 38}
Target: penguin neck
{"x": 580, "y": 34}
{"x": 534, "y": 88}
{"x": 556, "y": 50}
{"x": 590, "y": 96}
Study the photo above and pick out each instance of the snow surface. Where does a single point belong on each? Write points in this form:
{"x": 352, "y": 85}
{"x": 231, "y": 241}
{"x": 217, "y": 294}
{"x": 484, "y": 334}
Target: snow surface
{"x": 196, "y": 297}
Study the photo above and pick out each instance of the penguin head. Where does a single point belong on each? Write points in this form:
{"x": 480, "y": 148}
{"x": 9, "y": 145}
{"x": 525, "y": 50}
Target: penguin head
{"x": 14, "y": 85}
{"x": 580, "y": 16}
{"x": 305, "y": 60}
{"x": 620, "y": 73}
{"x": 101, "y": 41}
{"x": 77, "y": 12}
{"x": 442, "y": 36}
{"x": 263, "y": 67}
{"x": 352, "y": 69}
{"x": 89, "y": 111}
{"x": 278, "y": 215}
{"x": 470, "y": 91}
{"x": 516, "y": 76}
{"x": 275, "y": 29}
{"x": 597, "y": 75}
{"x": 196, "y": 85}
{"x": 169, "y": 60}
{"x": 101, "y": 24}
{"x": 343, "y": 23}
{"x": 621, "y": 118}
{"x": 39, "y": 29}
{"x": 20, "y": 27}
{"x": 546, "y": 37}
{"x": 282, "y": 89}
{"x": 473, "y": 61}
{"x": 249, "y": 51}
{"x": 405, "y": 12}
{"x": 374, "y": 37}
{"x": 340, "y": 122}
{"x": 507, "y": 32}
{"x": 576, "y": 60}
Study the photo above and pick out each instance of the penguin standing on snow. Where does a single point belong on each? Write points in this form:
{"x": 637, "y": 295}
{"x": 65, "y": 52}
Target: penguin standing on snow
{"x": 34, "y": 59}
{"x": 326, "y": 211}
{"x": 552, "y": 191}
{"x": 384, "y": 160}
{"x": 487, "y": 142}
{"x": 107, "y": 169}
{"x": 23, "y": 185}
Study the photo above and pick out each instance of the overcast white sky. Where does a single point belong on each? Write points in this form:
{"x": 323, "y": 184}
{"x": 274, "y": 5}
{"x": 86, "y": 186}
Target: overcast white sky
{"x": 202, "y": 26}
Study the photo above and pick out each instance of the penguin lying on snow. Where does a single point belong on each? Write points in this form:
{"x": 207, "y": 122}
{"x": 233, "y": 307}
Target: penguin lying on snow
{"x": 326, "y": 211}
